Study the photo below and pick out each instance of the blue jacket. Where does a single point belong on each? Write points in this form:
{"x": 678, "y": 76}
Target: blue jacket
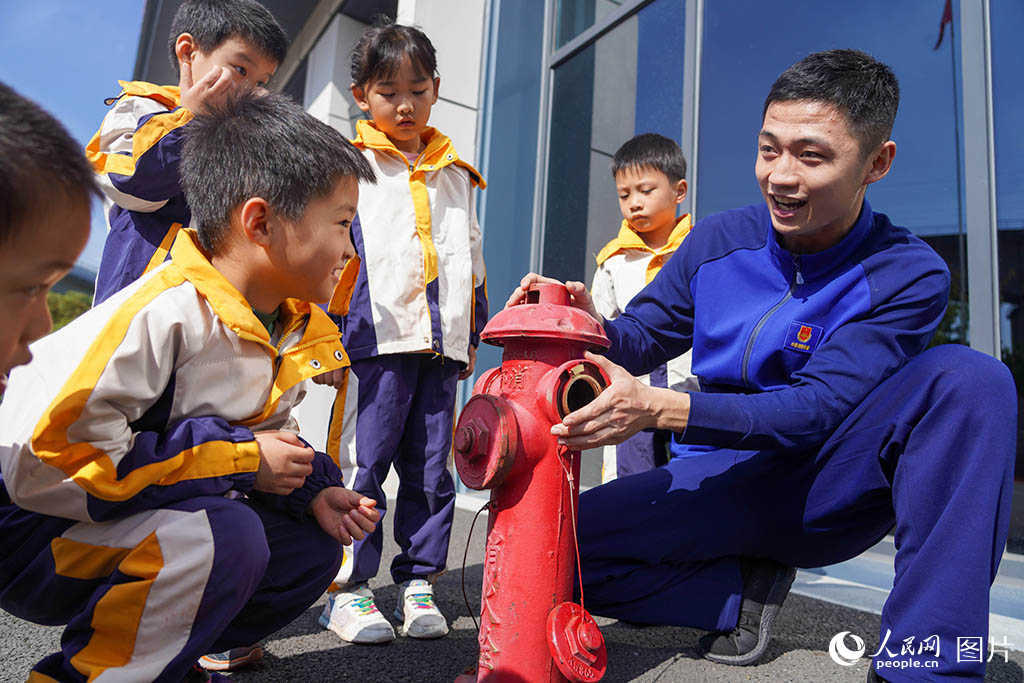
{"x": 785, "y": 345}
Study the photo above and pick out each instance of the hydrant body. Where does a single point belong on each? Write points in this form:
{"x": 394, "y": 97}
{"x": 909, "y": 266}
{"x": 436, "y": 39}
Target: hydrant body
{"x": 503, "y": 442}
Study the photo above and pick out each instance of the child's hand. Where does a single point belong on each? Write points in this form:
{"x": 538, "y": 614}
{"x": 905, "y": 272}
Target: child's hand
{"x": 344, "y": 514}
{"x": 211, "y": 89}
{"x": 581, "y": 298}
{"x": 334, "y": 378}
{"x": 468, "y": 372}
{"x": 285, "y": 462}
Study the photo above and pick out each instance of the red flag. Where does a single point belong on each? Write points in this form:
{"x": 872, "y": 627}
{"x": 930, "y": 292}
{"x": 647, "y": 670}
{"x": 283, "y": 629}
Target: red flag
{"x": 947, "y": 18}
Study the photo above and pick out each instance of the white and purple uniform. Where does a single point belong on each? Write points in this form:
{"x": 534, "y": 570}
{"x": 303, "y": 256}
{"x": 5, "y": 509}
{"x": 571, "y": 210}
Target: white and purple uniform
{"x": 418, "y": 306}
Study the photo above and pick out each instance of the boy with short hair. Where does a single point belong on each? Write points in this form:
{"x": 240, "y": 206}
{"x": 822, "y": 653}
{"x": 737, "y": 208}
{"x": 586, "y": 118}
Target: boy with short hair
{"x": 649, "y": 172}
{"x": 129, "y": 442}
{"x": 216, "y": 47}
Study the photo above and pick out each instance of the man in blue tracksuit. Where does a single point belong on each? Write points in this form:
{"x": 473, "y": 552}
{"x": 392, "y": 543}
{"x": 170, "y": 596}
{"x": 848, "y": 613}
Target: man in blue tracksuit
{"x": 822, "y": 422}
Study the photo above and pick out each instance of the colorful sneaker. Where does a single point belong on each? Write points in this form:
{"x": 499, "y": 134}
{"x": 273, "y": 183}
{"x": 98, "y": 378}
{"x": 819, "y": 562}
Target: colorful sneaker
{"x": 353, "y": 616}
{"x": 234, "y": 658}
{"x": 419, "y": 615}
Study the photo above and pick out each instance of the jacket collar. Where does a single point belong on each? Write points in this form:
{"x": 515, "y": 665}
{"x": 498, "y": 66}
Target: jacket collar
{"x": 438, "y": 152}
{"x": 820, "y": 263}
{"x": 628, "y": 238}
{"x": 167, "y": 95}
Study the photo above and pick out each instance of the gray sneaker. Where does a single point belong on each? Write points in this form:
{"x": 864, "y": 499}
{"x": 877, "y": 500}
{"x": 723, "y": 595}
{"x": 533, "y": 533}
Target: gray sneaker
{"x": 417, "y": 611}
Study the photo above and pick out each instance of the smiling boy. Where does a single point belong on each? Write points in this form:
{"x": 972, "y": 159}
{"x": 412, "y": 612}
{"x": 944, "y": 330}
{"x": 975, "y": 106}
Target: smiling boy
{"x": 824, "y": 423}
{"x": 217, "y": 47}
{"x": 162, "y": 504}
{"x": 649, "y": 172}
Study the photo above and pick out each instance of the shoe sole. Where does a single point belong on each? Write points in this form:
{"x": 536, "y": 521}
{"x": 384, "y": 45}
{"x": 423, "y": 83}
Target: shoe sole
{"x": 422, "y": 635}
{"x": 384, "y": 636}
{"x": 231, "y": 664}
{"x": 776, "y": 596}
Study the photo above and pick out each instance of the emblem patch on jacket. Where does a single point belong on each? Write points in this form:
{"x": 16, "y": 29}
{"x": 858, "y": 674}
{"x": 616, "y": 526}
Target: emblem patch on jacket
{"x": 803, "y": 336}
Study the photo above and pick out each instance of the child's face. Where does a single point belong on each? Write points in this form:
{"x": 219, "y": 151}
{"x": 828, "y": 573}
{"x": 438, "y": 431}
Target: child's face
{"x": 310, "y": 253}
{"x": 248, "y": 66}
{"x": 38, "y": 256}
{"x": 400, "y": 105}
{"x": 647, "y": 198}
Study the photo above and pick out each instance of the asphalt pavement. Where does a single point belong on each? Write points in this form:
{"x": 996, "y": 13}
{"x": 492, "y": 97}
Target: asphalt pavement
{"x": 304, "y": 652}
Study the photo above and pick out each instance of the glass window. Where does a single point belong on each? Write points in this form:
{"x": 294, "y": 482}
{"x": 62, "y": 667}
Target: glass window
{"x": 1007, "y": 23}
{"x": 573, "y": 17}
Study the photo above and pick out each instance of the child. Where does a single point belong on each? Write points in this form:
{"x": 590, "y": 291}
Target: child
{"x": 412, "y": 330}
{"x": 649, "y": 172}
{"x": 217, "y": 46}
{"x": 163, "y": 505}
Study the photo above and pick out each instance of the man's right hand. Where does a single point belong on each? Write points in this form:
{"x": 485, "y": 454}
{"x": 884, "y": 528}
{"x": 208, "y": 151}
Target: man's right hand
{"x": 285, "y": 462}
{"x": 212, "y": 89}
{"x": 581, "y": 298}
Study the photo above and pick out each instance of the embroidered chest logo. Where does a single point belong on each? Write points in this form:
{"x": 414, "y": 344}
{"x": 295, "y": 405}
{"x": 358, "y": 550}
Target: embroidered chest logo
{"x": 803, "y": 337}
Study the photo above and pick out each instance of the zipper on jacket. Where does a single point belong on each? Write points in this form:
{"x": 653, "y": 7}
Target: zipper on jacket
{"x": 798, "y": 279}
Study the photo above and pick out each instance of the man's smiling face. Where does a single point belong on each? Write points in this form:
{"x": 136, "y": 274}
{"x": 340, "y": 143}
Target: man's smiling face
{"x": 813, "y": 174}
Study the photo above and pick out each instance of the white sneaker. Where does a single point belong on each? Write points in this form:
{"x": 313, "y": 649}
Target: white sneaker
{"x": 419, "y": 615}
{"x": 352, "y": 615}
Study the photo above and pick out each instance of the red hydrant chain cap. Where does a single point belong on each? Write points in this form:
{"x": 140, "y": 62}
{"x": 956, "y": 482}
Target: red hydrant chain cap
{"x": 576, "y": 643}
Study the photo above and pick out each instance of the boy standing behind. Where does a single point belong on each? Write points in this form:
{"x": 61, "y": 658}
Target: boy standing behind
{"x": 649, "y": 172}
{"x": 217, "y": 47}
{"x": 122, "y": 438}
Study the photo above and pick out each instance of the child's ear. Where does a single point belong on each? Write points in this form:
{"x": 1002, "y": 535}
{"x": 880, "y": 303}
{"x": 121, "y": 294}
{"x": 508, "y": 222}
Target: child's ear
{"x": 185, "y": 47}
{"x": 681, "y": 188}
{"x": 254, "y": 217}
{"x": 437, "y": 86}
{"x": 359, "y": 95}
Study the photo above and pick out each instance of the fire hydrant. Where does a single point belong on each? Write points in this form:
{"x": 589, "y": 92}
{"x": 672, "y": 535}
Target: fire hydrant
{"x": 529, "y": 631}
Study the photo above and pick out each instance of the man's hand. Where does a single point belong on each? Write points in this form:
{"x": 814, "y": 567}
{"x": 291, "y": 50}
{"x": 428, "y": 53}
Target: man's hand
{"x": 334, "y": 378}
{"x": 578, "y": 293}
{"x": 285, "y": 462}
{"x": 626, "y": 407}
{"x": 344, "y": 514}
{"x": 468, "y": 372}
{"x": 212, "y": 89}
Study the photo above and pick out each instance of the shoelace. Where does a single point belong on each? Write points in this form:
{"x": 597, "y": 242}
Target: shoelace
{"x": 364, "y": 606}
{"x": 421, "y": 601}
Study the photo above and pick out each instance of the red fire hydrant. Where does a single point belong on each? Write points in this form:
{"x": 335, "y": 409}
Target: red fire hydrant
{"x": 529, "y": 631}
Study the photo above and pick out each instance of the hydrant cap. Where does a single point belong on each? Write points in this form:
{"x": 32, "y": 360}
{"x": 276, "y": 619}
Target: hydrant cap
{"x": 546, "y": 314}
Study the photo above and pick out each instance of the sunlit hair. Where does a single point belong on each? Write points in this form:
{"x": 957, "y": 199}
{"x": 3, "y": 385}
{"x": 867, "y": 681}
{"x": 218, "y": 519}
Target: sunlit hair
{"x": 261, "y": 146}
{"x": 211, "y": 22}
{"x": 41, "y": 165}
{"x": 382, "y": 49}
{"x": 864, "y": 90}
{"x": 650, "y": 150}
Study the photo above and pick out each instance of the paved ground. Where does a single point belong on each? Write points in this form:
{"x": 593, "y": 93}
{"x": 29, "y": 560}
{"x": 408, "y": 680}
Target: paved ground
{"x": 305, "y": 652}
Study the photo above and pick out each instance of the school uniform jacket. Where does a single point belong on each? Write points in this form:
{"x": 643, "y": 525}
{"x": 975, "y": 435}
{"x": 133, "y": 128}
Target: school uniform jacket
{"x": 135, "y": 155}
{"x": 422, "y": 285}
{"x": 785, "y": 345}
{"x": 153, "y": 397}
{"x": 625, "y": 266}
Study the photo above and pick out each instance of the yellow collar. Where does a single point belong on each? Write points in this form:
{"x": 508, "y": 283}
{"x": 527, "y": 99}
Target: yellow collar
{"x": 628, "y": 238}
{"x": 438, "y": 152}
{"x": 167, "y": 95}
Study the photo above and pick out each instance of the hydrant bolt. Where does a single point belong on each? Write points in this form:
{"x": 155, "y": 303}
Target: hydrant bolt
{"x": 464, "y": 441}
{"x": 590, "y": 636}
